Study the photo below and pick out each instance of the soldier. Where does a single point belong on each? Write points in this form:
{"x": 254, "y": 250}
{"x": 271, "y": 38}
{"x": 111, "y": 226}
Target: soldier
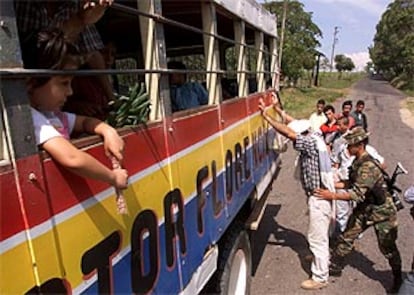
{"x": 366, "y": 186}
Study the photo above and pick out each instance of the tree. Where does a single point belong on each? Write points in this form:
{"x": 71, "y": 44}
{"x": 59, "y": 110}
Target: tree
{"x": 343, "y": 63}
{"x": 325, "y": 64}
{"x": 300, "y": 40}
{"x": 393, "y": 49}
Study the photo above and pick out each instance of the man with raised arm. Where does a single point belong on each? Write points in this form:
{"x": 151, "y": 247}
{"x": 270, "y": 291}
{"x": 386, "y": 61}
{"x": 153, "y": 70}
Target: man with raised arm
{"x": 315, "y": 167}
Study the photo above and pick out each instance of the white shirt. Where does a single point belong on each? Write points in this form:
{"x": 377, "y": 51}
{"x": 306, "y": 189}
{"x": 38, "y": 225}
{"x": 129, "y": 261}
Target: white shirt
{"x": 316, "y": 120}
{"x": 47, "y": 124}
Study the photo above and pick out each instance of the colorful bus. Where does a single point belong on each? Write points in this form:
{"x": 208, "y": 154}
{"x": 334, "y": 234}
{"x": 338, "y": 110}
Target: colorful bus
{"x": 199, "y": 177}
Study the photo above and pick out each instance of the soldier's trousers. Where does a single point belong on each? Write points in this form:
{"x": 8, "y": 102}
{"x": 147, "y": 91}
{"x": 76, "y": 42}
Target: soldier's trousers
{"x": 386, "y": 232}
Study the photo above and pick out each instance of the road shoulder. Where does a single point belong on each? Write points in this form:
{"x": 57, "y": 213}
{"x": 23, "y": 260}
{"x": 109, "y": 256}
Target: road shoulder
{"x": 406, "y": 115}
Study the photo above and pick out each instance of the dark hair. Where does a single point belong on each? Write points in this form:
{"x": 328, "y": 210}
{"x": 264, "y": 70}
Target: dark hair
{"x": 329, "y": 107}
{"x": 347, "y": 103}
{"x": 321, "y": 101}
{"x": 360, "y": 102}
{"x": 176, "y": 65}
{"x": 50, "y": 49}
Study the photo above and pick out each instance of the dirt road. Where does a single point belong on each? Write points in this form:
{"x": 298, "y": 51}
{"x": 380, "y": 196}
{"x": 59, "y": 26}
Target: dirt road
{"x": 280, "y": 244}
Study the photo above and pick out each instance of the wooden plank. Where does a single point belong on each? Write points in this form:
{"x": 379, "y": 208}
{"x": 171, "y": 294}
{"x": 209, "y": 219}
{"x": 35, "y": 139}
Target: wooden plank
{"x": 239, "y": 32}
{"x": 211, "y": 49}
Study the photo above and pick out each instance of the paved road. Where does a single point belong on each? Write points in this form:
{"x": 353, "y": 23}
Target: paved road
{"x": 280, "y": 244}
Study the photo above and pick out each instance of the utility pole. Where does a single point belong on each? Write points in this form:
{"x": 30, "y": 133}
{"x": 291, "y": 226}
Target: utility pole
{"x": 282, "y": 34}
{"x": 335, "y": 40}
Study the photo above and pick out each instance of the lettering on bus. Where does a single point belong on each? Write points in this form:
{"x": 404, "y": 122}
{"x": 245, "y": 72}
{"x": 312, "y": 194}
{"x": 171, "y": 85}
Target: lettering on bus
{"x": 98, "y": 259}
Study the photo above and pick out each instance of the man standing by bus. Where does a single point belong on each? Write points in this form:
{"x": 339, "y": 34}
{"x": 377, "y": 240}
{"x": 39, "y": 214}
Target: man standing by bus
{"x": 315, "y": 167}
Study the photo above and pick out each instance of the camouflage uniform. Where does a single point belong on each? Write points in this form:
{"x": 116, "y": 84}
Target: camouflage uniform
{"x": 364, "y": 177}
{"x": 374, "y": 207}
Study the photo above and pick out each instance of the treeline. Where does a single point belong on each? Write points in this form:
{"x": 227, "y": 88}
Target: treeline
{"x": 393, "y": 51}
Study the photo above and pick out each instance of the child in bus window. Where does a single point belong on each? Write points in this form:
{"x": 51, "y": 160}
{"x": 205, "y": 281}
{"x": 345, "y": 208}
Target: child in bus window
{"x": 53, "y": 127}
{"x": 76, "y": 19}
{"x": 184, "y": 95}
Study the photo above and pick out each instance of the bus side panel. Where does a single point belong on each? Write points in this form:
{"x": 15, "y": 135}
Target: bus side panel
{"x": 88, "y": 235}
{"x": 262, "y": 137}
{"x": 198, "y": 165}
{"x": 237, "y": 143}
{"x": 17, "y": 253}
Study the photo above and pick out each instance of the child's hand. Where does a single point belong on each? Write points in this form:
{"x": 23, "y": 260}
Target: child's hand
{"x": 262, "y": 105}
{"x": 120, "y": 178}
{"x": 114, "y": 145}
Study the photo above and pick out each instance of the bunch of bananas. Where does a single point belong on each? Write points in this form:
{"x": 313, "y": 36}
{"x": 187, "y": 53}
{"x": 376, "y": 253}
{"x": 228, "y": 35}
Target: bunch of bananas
{"x": 130, "y": 110}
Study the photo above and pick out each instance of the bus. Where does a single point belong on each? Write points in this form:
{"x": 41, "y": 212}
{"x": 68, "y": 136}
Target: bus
{"x": 199, "y": 177}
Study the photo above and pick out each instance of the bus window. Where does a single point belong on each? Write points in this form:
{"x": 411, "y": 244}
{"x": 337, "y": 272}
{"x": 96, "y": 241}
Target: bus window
{"x": 251, "y": 59}
{"x": 228, "y": 56}
{"x": 185, "y": 55}
{"x": 125, "y": 81}
{"x": 267, "y": 60}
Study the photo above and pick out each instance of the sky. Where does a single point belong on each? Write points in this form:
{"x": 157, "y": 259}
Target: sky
{"x": 356, "y": 21}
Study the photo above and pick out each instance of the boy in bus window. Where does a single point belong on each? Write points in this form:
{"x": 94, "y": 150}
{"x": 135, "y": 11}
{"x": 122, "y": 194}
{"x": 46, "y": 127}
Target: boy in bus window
{"x": 76, "y": 19}
{"x": 184, "y": 95}
{"x": 53, "y": 127}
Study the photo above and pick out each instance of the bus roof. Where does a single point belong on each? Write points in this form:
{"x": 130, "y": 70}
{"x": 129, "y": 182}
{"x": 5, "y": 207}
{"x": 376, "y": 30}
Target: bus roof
{"x": 249, "y": 10}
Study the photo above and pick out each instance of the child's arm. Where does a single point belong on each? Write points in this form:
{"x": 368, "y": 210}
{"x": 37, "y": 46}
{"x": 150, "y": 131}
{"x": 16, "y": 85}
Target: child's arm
{"x": 83, "y": 164}
{"x": 113, "y": 143}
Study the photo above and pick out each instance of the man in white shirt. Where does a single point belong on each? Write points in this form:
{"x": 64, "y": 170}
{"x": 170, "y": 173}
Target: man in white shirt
{"x": 318, "y": 118}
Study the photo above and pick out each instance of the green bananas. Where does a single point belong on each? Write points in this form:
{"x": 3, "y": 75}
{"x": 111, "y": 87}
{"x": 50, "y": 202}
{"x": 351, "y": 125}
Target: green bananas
{"x": 130, "y": 110}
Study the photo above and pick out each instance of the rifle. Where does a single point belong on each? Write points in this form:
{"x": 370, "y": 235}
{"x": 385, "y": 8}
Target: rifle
{"x": 392, "y": 188}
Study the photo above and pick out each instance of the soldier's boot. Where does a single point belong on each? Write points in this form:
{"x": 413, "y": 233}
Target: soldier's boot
{"x": 336, "y": 266}
{"x": 396, "y": 272}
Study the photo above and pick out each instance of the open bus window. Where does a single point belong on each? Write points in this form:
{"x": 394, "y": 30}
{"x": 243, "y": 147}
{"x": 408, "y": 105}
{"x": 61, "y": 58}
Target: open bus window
{"x": 123, "y": 29}
{"x": 125, "y": 81}
{"x": 185, "y": 54}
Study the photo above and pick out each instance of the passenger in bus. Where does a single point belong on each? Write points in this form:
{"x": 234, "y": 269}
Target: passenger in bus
{"x": 184, "y": 94}
{"x": 76, "y": 19}
{"x": 89, "y": 98}
{"x": 53, "y": 127}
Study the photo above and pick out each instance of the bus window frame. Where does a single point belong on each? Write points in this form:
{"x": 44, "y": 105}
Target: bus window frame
{"x": 5, "y": 158}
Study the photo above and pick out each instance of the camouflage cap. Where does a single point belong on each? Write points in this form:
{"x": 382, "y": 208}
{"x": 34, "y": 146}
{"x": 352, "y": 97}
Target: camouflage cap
{"x": 356, "y": 135}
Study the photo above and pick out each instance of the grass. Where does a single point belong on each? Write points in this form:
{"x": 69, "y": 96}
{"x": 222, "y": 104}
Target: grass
{"x": 332, "y": 80}
{"x": 409, "y": 104}
{"x": 409, "y": 101}
{"x": 301, "y": 102}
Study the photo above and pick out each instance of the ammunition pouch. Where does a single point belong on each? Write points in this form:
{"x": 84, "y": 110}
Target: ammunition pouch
{"x": 378, "y": 194}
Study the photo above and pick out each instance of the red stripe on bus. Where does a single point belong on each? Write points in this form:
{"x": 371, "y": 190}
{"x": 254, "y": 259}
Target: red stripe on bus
{"x": 233, "y": 111}
{"x": 188, "y": 130}
{"x": 34, "y": 197}
{"x": 10, "y": 214}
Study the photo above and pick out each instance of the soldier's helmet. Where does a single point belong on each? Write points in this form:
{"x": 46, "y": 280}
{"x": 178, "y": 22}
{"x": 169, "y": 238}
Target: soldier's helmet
{"x": 356, "y": 135}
